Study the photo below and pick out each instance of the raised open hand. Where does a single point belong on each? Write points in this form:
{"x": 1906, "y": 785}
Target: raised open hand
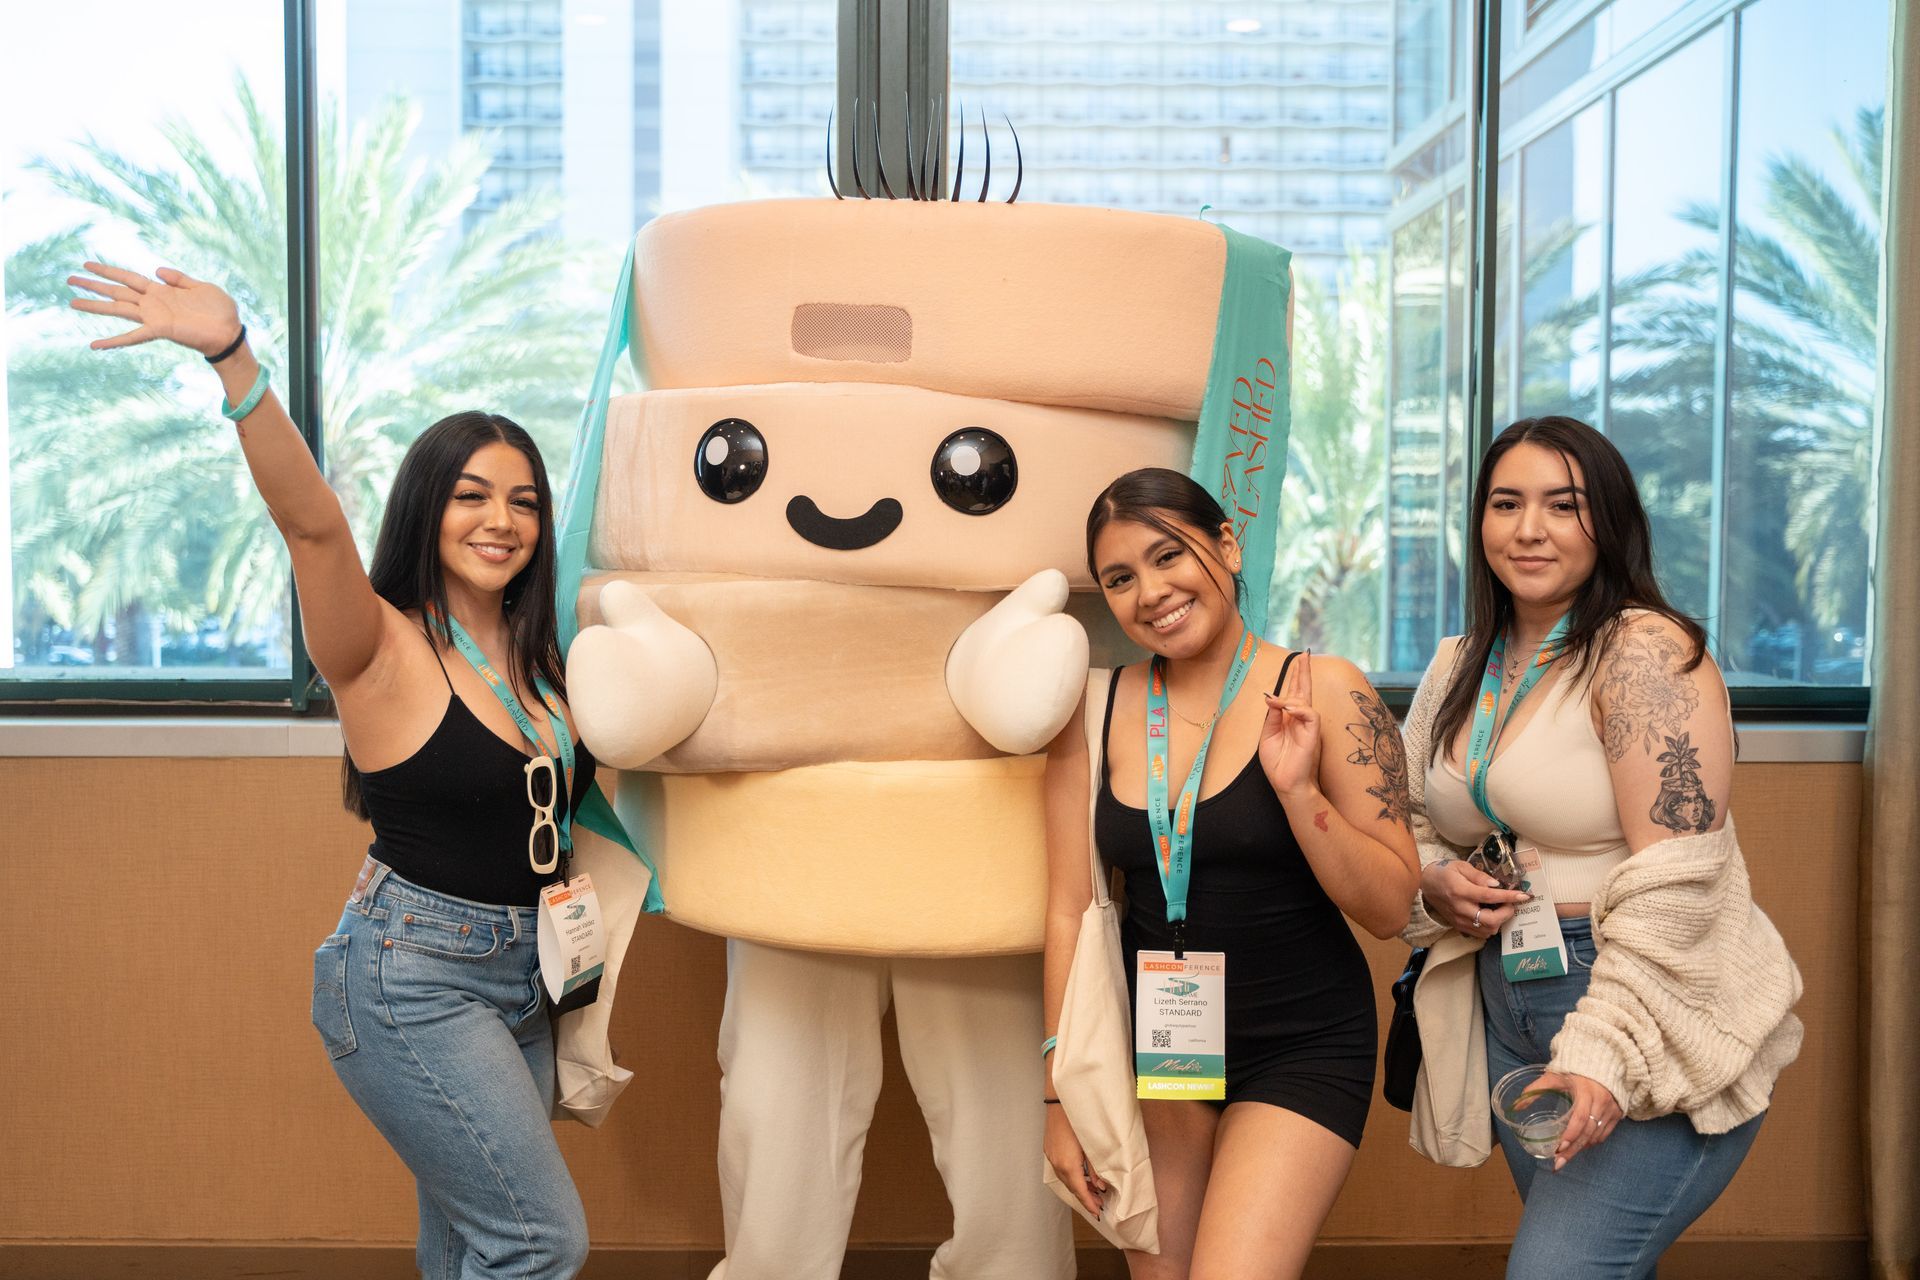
{"x": 1290, "y": 738}
{"x": 176, "y": 307}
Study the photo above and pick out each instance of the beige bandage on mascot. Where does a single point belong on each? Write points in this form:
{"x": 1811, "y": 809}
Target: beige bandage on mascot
{"x": 838, "y": 603}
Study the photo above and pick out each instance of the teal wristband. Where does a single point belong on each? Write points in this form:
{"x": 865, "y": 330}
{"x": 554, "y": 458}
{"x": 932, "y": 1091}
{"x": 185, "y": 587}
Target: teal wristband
{"x": 1048, "y": 1045}
{"x": 252, "y": 401}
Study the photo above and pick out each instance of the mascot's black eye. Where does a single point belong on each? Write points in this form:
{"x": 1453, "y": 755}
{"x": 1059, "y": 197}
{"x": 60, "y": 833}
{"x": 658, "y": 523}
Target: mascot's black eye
{"x": 731, "y": 460}
{"x": 974, "y": 471}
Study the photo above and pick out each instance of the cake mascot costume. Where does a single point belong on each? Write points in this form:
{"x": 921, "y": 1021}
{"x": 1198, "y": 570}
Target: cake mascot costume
{"x": 834, "y": 604}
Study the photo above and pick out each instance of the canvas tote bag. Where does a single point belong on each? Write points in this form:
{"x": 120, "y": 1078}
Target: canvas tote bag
{"x": 1093, "y": 1060}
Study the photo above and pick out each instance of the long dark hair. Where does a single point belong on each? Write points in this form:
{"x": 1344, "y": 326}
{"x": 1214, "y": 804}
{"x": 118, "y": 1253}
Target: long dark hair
{"x": 1622, "y": 577}
{"x": 1156, "y": 497}
{"x": 407, "y": 573}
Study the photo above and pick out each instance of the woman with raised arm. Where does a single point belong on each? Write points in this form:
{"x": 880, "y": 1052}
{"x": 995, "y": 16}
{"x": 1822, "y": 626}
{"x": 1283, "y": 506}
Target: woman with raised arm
{"x": 1253, "y": 799}
{"x": 446, "y": 672}
{"x": 1578, "y": 738}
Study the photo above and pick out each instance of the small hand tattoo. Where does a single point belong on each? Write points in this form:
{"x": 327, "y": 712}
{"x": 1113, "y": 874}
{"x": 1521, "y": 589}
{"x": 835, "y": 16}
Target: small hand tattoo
{"x": 1320, "y": 820}
{"x": 1377, "y": 742}
{"x": 1683, "y": 804}
{"x": 1648, "y": 697}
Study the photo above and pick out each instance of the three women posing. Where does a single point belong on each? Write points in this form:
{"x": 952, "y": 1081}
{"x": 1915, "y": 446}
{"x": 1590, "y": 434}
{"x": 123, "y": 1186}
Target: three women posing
{"x": 1298, "y": 814}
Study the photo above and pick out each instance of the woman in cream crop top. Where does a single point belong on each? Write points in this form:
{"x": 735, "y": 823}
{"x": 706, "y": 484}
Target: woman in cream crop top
{"x": 1612, "y": 753}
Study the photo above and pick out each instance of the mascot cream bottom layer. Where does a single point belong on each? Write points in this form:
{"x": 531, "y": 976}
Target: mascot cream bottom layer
{"x": 840, "y": 603}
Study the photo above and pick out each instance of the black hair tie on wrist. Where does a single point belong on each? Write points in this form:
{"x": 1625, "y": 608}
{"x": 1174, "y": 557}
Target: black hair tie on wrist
{"x": 231, "y": 347}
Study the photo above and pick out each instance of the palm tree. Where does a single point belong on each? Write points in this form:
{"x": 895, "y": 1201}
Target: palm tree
{"x": 130, "y": 497}
{"x": 1326, "y": 588}
{"x": 1805, "y": 358}
{"x": 1803, "y": 364}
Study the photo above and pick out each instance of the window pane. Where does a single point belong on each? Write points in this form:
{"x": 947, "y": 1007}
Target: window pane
{"x": 546, "y": 135}
{"x": 1560, "y": 214}
{"x": 132, "y": 543}
{"x": 1276, "y": 115}
{"x": 1666, "y": 235}
{"x": 1593, "y": 40}
{"x": 1415, "y": 531}
{"x": 1505, "y": 350}
{"x": 1420, "y": 62}
{"x": 1612, "y": 241}
{"x": 1806, "y": 341}
{"x": 1459, "y": 443}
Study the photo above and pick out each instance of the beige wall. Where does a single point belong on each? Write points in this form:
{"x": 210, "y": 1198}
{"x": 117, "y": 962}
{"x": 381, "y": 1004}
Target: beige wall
{"x": 162, "y": 1081}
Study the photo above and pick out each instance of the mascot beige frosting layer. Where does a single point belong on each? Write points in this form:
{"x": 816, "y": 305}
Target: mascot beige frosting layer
{"x": 829, "y": 678}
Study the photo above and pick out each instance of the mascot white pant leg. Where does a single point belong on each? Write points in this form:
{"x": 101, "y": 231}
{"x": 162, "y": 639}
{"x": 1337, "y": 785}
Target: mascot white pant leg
{"x": 801, "y": 1059}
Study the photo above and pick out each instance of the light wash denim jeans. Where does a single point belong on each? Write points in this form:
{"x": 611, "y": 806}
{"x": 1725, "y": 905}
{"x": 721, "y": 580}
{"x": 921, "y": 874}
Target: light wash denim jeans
{"x": 1614, "y": 1209}
{"x": 431, "y": 1008}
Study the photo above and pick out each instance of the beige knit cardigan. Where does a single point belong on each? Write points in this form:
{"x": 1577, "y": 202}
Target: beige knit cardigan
{"x": 1689, "y": 1006}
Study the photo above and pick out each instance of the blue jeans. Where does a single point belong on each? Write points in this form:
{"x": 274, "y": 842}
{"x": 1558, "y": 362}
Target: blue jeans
{"x": 431, "y": 1008}
{"x": 1614, "y": 1209}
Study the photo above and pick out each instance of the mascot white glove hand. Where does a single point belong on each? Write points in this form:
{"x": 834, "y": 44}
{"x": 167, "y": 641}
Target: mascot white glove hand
{"x": 1018, "y": 672}
{"x": 642, "y": 683}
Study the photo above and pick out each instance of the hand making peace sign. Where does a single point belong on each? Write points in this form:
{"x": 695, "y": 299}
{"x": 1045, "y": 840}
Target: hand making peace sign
{"x": 1290, "y": 738}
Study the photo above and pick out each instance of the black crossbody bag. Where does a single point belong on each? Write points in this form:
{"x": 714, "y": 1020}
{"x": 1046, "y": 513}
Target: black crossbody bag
{"x": 1402, "y": 1065}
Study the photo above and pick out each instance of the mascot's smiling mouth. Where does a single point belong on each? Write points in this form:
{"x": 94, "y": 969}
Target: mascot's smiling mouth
{"x": 854, "y": 534}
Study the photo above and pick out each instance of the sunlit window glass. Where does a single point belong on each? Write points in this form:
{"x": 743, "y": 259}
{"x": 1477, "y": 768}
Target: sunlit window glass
{"x": 1799, "y": 484}
{"x": 132, "y": 543}
{"x": 484, "y": 164}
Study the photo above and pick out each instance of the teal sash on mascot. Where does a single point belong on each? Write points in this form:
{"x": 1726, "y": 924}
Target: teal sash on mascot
{"x": 571, "y": 533}
{"x": 1239, "y": 452}
{"x": 1240, "y": 446}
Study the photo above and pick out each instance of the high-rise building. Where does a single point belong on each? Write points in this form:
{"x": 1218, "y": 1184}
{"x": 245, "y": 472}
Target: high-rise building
{"x": 569, "y": 91}
{"x": 1275, "y": 114}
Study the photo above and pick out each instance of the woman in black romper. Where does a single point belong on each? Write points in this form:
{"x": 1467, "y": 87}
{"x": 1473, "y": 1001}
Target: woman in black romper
{"x": 1301, "y": 817}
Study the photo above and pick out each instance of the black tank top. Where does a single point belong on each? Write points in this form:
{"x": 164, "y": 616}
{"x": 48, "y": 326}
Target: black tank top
{"x": 1297, "y": 981}
{"x": 454, "y": 816}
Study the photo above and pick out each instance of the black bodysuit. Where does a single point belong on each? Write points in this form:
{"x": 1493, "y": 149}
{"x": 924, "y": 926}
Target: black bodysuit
{"x": 1300, "y": 1013}
{"x": 453, "y": 817}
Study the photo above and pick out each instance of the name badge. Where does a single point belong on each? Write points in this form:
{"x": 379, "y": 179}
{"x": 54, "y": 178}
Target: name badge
{"x": 1532, "y": 946}
{"x": 1180, "y": 1025}
{"x": 572, "y": 945}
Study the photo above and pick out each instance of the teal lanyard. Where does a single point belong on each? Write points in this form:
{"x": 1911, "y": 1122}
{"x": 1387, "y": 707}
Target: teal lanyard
{"x": 1486, "y": 733}
{"x": 1174, "y": 839}
{"x": 572, "y": 532}
{"x": 563, "y": 786}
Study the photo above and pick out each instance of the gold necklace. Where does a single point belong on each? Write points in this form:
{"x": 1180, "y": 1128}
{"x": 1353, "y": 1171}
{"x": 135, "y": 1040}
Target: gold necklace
{"x": 1198, "y": 724}
{"x": 1514, "y": 660}
{"x": 1517, "y": 659}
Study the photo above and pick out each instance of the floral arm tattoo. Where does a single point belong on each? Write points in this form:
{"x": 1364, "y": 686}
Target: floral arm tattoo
{"x": 1377, "y": 742}
{"x": 1649, "y": 701}
{"x": 1647, "y": 697}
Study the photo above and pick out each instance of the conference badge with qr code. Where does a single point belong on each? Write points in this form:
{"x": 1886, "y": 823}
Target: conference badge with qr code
{"x": 1532, "y": 946}
{"x": 572, "y": 943}
{"x": 1180, "y": 1025}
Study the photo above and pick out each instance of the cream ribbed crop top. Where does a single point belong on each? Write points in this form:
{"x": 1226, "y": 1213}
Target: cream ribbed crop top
{"x": 1550, "y": 783}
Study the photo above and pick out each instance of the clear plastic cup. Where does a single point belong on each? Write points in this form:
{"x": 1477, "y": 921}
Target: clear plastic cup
{"x": 1538, "y": 1117}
